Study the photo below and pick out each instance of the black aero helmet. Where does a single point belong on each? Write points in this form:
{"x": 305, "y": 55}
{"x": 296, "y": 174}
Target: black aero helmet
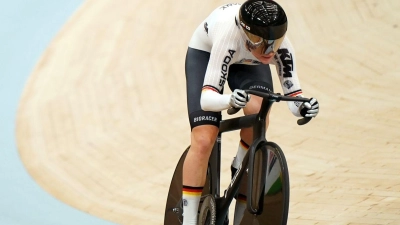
{"x": 263, "y": 22}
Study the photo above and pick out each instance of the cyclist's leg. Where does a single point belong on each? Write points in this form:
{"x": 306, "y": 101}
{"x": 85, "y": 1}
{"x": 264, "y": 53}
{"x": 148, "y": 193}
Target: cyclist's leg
{"x": 246, "y": 134}
{"x": 204, "y": 127}
{"x": 256, "y": 78}
{"x": 249, "y": 77}
{"x": 195, "y": 170}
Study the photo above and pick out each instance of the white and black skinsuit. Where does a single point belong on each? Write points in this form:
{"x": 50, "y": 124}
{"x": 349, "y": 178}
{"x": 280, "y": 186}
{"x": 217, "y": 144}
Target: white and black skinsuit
{"x": 216, "y": 52}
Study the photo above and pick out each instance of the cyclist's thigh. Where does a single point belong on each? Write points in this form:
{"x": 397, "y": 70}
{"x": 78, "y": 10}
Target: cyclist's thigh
{"x": 254, "y": 77}
{"x": 195, "y": 68}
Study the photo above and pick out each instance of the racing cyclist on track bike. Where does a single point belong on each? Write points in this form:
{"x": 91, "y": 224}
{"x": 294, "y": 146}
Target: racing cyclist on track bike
{"x": 234, "y": 44}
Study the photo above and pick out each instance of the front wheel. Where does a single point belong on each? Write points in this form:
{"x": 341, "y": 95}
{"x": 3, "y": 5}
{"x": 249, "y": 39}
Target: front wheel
{"x": 275, "y": 202}
{"x": 277, "y": 187}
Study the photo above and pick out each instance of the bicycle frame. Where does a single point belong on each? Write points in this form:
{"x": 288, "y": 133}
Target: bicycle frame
{"x": 258, "y": 122}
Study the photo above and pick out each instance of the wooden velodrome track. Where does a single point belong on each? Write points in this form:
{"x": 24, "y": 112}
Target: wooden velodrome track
{"x": 102, "y": 121}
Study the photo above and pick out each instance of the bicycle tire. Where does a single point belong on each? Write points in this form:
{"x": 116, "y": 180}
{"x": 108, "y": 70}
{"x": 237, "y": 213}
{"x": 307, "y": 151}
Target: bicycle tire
{"x": 173, "y": 208}
{"x": 284, "y": 178}
{"x": 276, "y": 195}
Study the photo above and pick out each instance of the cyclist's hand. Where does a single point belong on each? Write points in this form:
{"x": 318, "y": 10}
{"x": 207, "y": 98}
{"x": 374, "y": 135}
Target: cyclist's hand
{"x": 239, "y": 98}
{"x": 310, "y": 108}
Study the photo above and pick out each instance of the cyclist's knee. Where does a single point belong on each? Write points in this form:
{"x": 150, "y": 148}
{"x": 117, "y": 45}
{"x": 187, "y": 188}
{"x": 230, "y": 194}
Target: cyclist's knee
{"x": 203, "y": 138}
{"x": 253, "y": 106}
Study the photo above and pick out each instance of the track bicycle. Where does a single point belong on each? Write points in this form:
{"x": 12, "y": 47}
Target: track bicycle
{"x": 263, "y": 175}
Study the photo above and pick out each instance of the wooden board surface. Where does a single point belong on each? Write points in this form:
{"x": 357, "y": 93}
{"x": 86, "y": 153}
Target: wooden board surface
{"x": 102, "y": 120}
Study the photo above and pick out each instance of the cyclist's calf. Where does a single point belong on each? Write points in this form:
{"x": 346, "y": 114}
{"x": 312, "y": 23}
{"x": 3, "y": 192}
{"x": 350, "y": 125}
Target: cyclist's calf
{"x": 195, "y": 165}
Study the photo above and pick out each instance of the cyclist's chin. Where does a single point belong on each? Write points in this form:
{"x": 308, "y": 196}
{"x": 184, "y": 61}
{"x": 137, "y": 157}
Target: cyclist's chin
{"x": 265, "y": 59}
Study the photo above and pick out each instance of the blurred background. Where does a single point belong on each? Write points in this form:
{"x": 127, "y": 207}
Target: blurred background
{"x": 26, "y": 30}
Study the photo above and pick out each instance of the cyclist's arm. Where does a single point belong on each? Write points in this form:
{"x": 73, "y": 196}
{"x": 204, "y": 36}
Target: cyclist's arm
{"x": 222, "y": 54}
{"x": 285, "y": 62}
{"x": 212, "y": 99}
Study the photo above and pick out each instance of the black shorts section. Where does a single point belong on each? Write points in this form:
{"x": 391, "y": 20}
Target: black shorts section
{"x": 254, "y": 77}
{"x": 195, "y": 69}
{"x": 204, "y": 118}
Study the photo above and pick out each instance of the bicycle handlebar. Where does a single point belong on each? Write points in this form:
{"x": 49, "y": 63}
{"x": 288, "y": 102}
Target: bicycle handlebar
{"x": 275, "y": 97}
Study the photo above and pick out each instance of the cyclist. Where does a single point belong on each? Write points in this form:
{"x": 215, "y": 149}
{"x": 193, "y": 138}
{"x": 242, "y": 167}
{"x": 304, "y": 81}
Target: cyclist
{"x": 234, "y": 44}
